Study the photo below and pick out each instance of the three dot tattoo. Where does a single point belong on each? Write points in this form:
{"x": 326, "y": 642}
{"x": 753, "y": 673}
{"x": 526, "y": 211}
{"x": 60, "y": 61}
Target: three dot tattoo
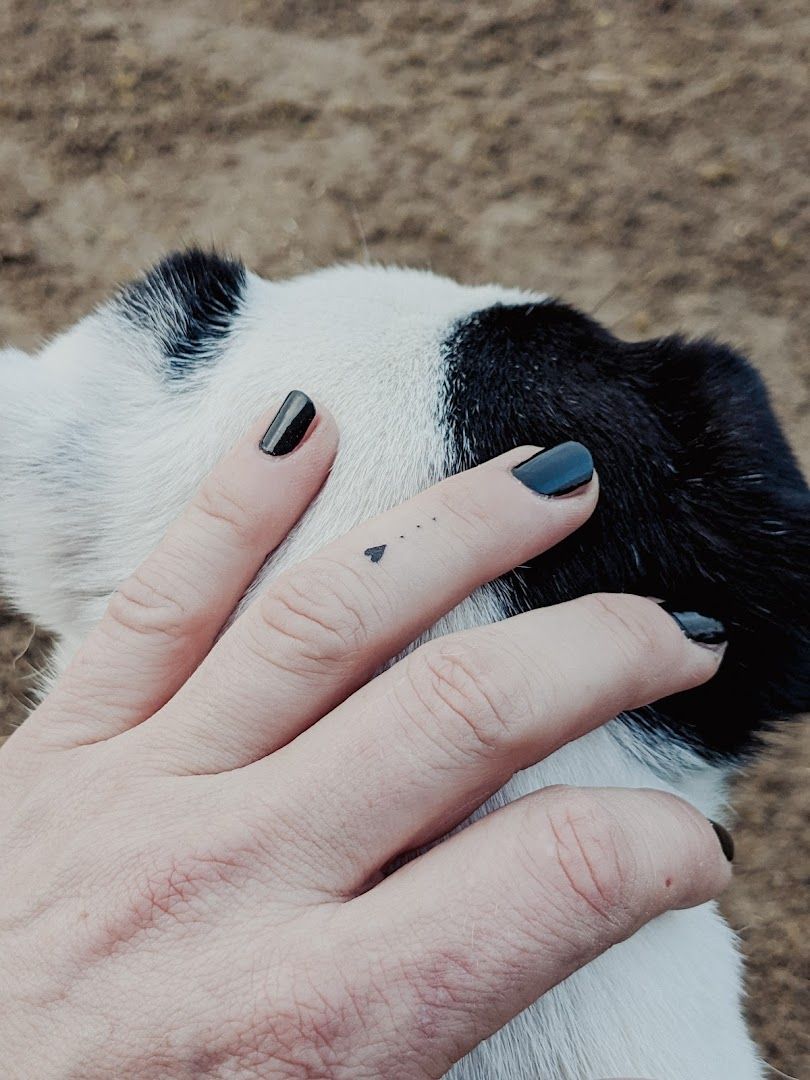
{"x": 376, "y": 552}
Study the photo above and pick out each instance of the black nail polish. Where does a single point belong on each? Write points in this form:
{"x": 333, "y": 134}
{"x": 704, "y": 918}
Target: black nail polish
{"x": 700, "y": 628}
{"x": 725, "y": 838}
{"x": 557, "y": 471}
{"x": 289, "y": 426}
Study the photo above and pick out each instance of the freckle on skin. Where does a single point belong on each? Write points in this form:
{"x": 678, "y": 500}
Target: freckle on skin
{"x": 668, "y": 882}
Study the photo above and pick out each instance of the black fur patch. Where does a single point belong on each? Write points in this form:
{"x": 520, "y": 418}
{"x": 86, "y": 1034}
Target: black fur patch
{"x": 189, "y": 301}
{"x": 702, "y": 502}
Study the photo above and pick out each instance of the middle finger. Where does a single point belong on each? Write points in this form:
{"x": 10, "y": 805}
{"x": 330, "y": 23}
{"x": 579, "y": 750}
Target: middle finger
{"x": 423, "y": 745}
{"x": 322, "y": 628}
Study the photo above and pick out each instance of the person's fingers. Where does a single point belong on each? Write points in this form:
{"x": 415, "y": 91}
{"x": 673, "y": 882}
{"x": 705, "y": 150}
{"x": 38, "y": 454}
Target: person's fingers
{"x": 163, "y": 620}
{"x": 427, "y": 741}
{"x": 482, "y": 925}
{"x": 323, "y": 627}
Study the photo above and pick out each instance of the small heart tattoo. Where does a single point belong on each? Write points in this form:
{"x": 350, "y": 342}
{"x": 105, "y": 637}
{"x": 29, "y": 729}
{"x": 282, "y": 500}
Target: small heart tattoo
{"x": 375, "y": 553}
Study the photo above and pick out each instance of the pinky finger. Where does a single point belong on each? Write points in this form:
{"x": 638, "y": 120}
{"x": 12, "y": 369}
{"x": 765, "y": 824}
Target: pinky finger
{"x": 164, "y": 618}
{"x": 497, "y": 915}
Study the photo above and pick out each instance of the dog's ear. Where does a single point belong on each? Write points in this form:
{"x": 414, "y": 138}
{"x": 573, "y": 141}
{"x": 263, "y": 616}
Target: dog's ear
{"x": 741, "y": 530}
{"x": 68, "y": 415}
{"x": 702, "y": 504}
{"x": 735, "y": 537}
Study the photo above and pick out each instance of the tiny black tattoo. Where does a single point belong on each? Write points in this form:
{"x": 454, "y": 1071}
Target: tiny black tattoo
{"x": 375, "y": 553}
{"x": 402, "y": 536}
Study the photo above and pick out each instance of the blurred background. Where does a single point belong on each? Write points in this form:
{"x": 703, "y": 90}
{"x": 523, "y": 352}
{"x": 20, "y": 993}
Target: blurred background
{"x": 644, "y": 160}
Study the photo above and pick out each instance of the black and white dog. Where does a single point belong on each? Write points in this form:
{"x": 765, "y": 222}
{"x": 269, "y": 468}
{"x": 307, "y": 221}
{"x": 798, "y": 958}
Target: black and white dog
{"x": 105, "y": 434}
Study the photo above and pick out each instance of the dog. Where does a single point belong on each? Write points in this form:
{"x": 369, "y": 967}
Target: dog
{"x": 106, "y": 432}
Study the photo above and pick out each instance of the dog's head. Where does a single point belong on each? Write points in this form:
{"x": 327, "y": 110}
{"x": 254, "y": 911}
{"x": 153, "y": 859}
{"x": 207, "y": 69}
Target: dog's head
{"x": 104, "y": 435}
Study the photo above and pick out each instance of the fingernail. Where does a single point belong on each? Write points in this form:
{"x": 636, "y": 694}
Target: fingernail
{"x": 289, "y": 426}
{"x": 557, "y": 471}
{"x": 725, "y": 838}
{"x": 702, "y": 629}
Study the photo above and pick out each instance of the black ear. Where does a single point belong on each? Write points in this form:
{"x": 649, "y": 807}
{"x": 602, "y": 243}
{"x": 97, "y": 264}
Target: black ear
{"x": 702, "y": 503}
{"x": 188, "y": 303}
{"x": 735, "y": 540}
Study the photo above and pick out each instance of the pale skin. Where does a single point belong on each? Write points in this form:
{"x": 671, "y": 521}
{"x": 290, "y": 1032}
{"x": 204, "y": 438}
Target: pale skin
{"x": 193, "y": 827}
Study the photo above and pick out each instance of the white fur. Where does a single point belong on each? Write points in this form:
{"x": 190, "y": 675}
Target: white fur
{"x": 98, "y": 454}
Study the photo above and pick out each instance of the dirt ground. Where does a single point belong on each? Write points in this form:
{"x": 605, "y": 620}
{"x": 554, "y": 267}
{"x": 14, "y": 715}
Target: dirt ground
{"x": 646, "y": 160}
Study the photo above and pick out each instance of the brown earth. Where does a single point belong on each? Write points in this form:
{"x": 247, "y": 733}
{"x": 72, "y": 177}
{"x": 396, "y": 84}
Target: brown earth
{"x": 647, "y": 160}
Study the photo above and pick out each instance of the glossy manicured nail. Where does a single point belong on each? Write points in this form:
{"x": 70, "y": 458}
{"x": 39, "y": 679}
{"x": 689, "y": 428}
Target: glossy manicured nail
{"x": 725, "y": 838}
{"x": 557, "y": 471}
{"x": 702, "y": 629}
{"x": 289, "y": 426}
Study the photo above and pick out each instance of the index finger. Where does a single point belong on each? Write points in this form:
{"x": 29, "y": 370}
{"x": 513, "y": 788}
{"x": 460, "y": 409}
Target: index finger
{"x": 163, "y": 619}
{"x": 322, "y": 628}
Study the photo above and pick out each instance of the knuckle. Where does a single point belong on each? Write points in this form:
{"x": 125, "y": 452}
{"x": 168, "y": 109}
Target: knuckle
{"x": 593, "y": 869}
{"x": 459, "y": 693}
{"x": 147, "y": 604}
{"x": 217, "y": 509}
{"x": 632, "y": 622}
{"x": 323, "y": 609}
{"x": 465, "y": 507}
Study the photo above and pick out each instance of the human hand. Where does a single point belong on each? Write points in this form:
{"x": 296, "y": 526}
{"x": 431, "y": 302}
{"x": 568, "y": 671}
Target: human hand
{"x": 193, "y": 829}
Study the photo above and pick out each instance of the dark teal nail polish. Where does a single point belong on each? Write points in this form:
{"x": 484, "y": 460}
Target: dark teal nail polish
{"x": 289, "y": 426}
{"x": 725, "y": 838}
{"x": 557, "y": 471}
{"x": 700, "y": 628}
